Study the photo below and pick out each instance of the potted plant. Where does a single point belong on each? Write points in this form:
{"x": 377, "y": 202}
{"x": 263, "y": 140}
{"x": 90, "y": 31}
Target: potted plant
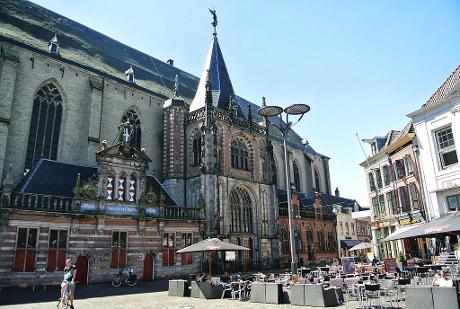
{"x": 400, "y": 259}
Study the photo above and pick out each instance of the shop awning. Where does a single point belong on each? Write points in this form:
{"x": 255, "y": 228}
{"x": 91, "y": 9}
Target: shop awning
{"x": 349, "y": 243}
{"x": 448, "y": 224}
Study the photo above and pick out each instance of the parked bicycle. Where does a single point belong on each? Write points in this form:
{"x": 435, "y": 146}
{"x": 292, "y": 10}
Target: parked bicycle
{"x": 126, "y": 276}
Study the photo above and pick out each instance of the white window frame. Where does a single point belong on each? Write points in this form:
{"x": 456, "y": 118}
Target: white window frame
{"x": 445, "y": 150}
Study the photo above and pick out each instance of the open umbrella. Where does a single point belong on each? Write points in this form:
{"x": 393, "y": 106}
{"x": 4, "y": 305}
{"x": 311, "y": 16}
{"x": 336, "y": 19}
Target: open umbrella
{"x": 362, "y": 245}
{"x": 212, "y": 244}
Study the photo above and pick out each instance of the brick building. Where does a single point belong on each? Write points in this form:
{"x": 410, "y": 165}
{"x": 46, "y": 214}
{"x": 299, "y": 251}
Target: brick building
{"x": 395, "y": 191}
{"x": 205, "y": 163}
{"x": 314, "y": 225}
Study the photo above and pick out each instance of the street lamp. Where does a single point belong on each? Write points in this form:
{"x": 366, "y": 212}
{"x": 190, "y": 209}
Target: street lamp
{"x": 294, "y": 110}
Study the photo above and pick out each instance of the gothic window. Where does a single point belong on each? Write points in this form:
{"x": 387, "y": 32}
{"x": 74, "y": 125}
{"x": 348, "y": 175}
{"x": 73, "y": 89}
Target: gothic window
{"x": 317, "y": 184}
{"x": 45, "y": 125}
{"x": 321, "y": 244}
{"x": 241, "y": 210}
{"x": 284, "y": 239}
{"x": 296, "y": 176}
{"x": 275, "y": 175}
{"x": 196, "y": 149}
{"x": 133, "y": 118}
{"x": 239, "y": 154}
{"x": 309, "y": 233}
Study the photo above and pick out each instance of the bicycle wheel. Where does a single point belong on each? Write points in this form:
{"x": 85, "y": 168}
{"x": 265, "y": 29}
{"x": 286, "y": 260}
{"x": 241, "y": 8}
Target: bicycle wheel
{"x": 132, "y": 282}
{"x": 116, "y": 282}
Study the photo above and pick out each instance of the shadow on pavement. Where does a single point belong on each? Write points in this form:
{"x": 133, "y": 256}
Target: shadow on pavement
{"x": 16, "y": 295}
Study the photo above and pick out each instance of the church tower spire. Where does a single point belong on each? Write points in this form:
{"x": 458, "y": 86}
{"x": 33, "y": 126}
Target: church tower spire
{"x": 221, "y": 85}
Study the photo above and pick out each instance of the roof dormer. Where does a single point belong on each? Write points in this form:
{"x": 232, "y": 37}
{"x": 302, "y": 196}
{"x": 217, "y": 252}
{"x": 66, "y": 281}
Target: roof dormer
{"x": 53, "y": 45}
{"x": 130, "y": 74}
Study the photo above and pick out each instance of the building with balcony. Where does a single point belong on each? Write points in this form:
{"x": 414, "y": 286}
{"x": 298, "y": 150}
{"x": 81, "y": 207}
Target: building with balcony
{"x": 69, "y": 94}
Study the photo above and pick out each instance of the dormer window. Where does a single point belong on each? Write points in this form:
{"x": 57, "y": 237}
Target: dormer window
{"x": 130, "y": 75}
{"x": 374, "y": 148}
{"x": 53, "y": 46}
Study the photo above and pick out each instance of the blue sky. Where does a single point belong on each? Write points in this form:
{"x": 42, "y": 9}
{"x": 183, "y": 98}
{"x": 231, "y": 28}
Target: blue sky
{"x": 360, "y": 65}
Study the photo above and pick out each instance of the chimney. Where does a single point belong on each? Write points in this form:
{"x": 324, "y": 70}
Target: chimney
{"x": 337, "y": 192}
{"x": 170, "y": 62}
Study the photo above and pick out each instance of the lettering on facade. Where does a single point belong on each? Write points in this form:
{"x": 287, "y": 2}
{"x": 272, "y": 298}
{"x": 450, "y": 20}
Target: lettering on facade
{"x": 88, "y": 206}
{"x": 121, "y": 210}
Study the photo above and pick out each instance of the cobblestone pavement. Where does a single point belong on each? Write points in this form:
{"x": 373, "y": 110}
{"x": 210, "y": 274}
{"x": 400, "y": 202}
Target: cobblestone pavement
{"x": 154, "y": 300}
{"x": 145, "y": 296}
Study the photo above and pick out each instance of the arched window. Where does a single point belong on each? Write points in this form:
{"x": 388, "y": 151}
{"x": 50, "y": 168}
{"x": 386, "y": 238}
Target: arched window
{"x": 296, "y": 176}
{"x": 239, "y": 153}
{"x": 45, "y": 125}
{"x": 274, "y": 175}
{"x": 330, "y": 241}
{"x": 284, "y": 239}
{"x": 241, "y": 209}
{"x": 298, "y": 240}
{"x": 317, "y": 184}
{"x": 133, "y": 118}
{"x": 309, "y": 233}
{"x": 321, "y": 244}
{"x": 196, "y": 148}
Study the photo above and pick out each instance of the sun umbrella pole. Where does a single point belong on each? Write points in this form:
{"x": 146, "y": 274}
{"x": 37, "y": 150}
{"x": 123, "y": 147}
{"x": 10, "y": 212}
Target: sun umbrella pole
{"x": 209, "y": 262}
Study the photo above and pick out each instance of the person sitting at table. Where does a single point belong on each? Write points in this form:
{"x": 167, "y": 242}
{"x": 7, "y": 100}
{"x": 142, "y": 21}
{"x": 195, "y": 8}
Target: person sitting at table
{"x": 442, "y": 280}
{"x": 375, "y": 262}
{"x": 295, "y": 279}
{"x": 310, "y": 278}
{"x": 200, "y": 277}
{"x": 225, "y": 278}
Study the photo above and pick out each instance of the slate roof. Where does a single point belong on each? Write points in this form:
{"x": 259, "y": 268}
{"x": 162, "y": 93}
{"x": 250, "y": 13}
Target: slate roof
{"x": 445, "y": 89}
{"x": 54, "y": 178}
{"x": 29, "y": 25}
{"x": 57, "y": 178}
{"x": 306, "y": 201}
{"x": 221, "y": 84}
{"x": 33, "y": 25}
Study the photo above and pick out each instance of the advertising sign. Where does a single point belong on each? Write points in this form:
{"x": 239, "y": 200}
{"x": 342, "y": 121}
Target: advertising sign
{"x": 230, "y": 256}
{"x": 348, "y": 265}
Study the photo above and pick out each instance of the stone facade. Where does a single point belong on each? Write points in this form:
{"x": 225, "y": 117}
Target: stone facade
{"x": 192, "y": 153}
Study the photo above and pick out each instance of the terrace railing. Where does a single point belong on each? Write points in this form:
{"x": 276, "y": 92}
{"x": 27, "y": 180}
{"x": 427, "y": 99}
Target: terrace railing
{"x": 59, "y": 204}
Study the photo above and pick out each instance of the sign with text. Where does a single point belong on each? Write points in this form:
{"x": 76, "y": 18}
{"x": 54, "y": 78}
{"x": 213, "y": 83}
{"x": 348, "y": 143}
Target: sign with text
{"x": 152, "y": 212}
{"x": 230, "y": 256}
{"x": 121, "y": 210}
{"x": 390, "y": 265}
{"x": 348, "y": 265}
{"x": 411, "y": 218}
{"x": 84, "y": 206}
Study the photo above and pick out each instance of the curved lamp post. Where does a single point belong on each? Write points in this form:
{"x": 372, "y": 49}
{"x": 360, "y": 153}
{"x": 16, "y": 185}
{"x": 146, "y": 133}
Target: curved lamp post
{"x": 293, "y": 110}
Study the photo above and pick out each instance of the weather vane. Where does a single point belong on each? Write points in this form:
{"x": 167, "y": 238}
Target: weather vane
{"x": 176, "y": 85}
{"x": 214, "y": 21}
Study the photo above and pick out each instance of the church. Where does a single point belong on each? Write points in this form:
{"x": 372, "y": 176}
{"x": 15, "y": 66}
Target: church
{"x": 112, "y": 157}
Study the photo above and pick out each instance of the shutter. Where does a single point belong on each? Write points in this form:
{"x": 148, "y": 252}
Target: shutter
{"x": 114, "y": 263}
{"x": 51, "y": 263}
{"x": 122, "y": 258}
{"x": 61, "y": 256}
{"x": 30, "y": 260}
{"x": 19, "y": 260}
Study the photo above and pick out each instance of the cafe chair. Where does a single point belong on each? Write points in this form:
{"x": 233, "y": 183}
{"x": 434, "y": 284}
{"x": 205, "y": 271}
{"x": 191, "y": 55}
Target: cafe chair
{"x": 372, "y": 291}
